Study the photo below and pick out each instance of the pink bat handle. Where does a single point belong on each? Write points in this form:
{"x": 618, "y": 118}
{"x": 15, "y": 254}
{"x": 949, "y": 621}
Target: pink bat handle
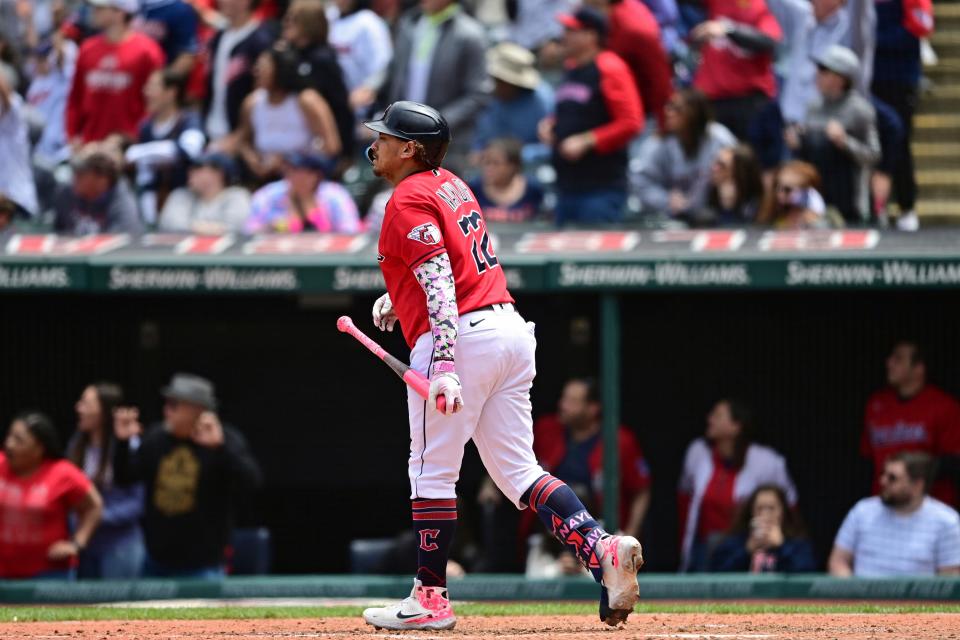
{"x": 416, "y": 380}
{"x": 422, "y": 386}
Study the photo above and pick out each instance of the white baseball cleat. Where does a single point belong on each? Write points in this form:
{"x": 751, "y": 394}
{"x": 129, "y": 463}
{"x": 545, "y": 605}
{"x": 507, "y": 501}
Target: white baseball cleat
{"x": 620, "y": 558}
{"x": 424, "y": 608}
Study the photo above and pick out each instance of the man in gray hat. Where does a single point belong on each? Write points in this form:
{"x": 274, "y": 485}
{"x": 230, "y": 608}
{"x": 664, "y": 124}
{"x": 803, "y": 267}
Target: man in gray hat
{"x": 839, "y": 135}
{"x": 193, "y": 468}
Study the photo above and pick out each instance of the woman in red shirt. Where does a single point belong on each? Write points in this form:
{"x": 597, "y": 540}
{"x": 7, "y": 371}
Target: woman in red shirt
{"x": 38, "y": 490}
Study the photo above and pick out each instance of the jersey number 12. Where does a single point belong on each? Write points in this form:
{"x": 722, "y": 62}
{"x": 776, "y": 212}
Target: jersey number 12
{"x": 480, "y": 249}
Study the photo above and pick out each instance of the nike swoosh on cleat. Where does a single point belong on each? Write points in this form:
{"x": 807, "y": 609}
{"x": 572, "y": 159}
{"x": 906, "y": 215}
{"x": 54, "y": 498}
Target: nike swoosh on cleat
{"x": 403, "y": 616}
{"x": 473, "y": 324}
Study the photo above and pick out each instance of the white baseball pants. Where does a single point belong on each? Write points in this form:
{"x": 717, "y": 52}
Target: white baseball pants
{"x": 495, "y": 361}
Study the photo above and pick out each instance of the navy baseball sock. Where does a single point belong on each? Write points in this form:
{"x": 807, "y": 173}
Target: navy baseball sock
{"x": 434, "y": 523}
{"x": 568, "y": 520}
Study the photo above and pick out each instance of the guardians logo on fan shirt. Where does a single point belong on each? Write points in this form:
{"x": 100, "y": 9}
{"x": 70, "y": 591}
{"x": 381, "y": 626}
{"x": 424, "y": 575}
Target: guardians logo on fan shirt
{"x": 898, "y": 433}
{"x": 109, "y": 76}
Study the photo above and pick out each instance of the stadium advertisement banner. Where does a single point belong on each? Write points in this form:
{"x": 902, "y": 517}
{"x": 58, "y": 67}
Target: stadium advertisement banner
{"x": 534, "y": 259}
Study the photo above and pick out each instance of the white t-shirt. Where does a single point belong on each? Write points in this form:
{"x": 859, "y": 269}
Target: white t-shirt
{"x": 363, "y": 46}
{"x": 16, "y": 173}
{"x": 218, "y": 123}
{"x": 279, "y": 128}
{"x": 885, "y": 543}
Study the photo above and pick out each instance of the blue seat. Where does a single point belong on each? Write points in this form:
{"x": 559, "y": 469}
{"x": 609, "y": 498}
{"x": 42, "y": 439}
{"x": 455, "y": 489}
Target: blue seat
{"x": 367, "y": 554}
{"x": 250, "y": 551}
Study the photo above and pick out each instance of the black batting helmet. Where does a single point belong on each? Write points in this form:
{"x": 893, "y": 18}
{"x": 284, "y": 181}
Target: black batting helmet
{"x": 418, "y": 122}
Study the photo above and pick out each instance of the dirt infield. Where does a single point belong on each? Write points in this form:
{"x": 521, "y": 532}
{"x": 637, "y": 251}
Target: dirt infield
{"x": 673, "y": 625}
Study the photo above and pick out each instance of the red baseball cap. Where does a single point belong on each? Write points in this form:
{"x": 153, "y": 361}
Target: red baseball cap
{"x": 585, "y": 18}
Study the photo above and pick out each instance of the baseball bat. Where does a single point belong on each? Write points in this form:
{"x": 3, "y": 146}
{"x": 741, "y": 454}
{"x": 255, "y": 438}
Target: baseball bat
{"x": 416, "y": 380}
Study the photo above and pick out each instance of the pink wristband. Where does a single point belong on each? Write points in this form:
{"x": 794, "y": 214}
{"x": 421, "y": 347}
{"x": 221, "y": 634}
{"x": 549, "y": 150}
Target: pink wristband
{"x": 444, "y": 366}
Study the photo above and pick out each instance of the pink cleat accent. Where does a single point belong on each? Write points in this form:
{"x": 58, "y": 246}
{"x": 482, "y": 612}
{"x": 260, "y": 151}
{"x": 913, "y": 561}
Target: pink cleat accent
{"x": 620, "y": 558}
{"x": 424, "y": 608}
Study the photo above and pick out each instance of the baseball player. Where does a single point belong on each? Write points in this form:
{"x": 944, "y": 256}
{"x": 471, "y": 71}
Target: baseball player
{"x": 447, "y": 290}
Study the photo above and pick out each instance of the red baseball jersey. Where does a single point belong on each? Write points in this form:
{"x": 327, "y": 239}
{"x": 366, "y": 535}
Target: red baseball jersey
{"x": 432, "y": 212}
{"x": 107, "y": 92}
{"x": 929, "y": 422}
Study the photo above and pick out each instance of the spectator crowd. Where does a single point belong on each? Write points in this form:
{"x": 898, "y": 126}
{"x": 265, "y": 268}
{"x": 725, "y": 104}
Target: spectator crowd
{"x": 243, "y": 116}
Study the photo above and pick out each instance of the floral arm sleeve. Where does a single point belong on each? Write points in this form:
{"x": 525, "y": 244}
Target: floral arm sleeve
{"x": 436, "y": 278}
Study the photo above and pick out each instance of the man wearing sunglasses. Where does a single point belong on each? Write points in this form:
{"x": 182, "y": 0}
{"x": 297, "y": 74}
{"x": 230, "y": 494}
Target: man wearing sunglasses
{"x": 901, "y": 532}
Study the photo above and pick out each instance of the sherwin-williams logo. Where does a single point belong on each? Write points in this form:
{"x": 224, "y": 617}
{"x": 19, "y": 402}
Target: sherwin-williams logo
{"x": 33, "y": 277}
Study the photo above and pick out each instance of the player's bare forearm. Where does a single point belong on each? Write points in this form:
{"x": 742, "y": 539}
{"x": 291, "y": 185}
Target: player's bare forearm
{"x": 436, "y": 278}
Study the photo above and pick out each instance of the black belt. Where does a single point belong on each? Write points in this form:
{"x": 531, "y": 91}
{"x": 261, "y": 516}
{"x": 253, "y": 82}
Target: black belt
{"x": 493, "y": 307}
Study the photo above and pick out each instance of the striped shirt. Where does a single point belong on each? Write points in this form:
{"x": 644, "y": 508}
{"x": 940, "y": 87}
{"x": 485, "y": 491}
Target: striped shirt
{"x": 885, "y": 543}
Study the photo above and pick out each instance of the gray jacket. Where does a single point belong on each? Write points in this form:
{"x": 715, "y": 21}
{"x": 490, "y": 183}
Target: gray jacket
{"x": 661, "y": 167}
{"x": 856, "y": 115}
{"x": 457, "y": 72}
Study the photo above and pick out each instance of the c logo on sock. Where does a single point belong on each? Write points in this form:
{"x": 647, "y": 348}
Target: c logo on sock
{"x": 427, "y": 537}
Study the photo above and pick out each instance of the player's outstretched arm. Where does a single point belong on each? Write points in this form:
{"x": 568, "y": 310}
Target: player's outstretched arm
{"x": 436, "y": 278}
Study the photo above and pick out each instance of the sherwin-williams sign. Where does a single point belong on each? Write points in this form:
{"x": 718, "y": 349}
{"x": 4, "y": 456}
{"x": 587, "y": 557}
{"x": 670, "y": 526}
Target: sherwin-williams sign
{"x": 534, "y": 259}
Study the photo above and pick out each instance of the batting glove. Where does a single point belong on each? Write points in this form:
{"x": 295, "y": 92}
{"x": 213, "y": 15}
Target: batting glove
{"x": 383, "y": 315}
{"x": 448, "y": 385}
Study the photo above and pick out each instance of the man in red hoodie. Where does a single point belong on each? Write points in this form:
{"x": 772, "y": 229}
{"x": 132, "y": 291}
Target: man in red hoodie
{"x": 107, "y": 93}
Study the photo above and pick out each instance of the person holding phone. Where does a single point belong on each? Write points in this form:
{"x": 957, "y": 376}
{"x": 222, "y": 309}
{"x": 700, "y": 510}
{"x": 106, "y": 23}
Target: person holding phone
{"x": 194, "y": 469}
{"x": 767, "y": 536}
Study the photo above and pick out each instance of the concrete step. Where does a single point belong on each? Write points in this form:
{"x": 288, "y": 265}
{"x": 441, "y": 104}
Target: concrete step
{"x": 942, "y": 98}
{"x": 939, "y": 184}
{"x": 937, "y": 155}
{"x": 927, "y": 192}
{"x": 937, "y": 121}
{"x": 947, "y": 71}
{"x": 945, "y": 11}
{"x": 938, "y": 212}
{"x": 936, "y": 140}
{"x": 946, "y": 42}
{"x": 936, "y": 127}
{"x": 939, "y": 178}
{"x": 929, "y": 208}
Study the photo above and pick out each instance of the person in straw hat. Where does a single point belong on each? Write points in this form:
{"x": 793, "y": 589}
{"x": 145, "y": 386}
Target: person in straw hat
{"x": 520, "y": 99}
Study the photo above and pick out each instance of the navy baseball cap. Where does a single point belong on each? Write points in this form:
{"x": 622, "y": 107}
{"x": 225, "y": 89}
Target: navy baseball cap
{"x": 310, "y": 161}
{"x": 216, "y": 160}
{"x": 43, "y": 49}
{"x": 585, "y": 18}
